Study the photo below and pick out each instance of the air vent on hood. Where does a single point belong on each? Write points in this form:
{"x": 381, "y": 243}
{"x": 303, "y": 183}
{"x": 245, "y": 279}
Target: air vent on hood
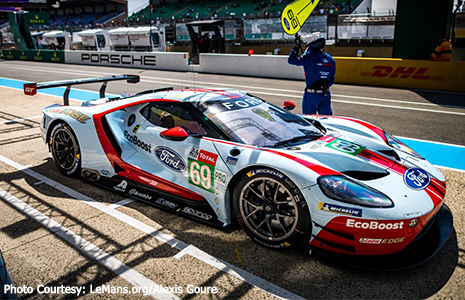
{"x": 362, "y": 175}
{"x": 391, "y": 153}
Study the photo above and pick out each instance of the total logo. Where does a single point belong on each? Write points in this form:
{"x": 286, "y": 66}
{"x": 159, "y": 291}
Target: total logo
{"x": 207, "y": 157}
{"x": 374, "y": 225}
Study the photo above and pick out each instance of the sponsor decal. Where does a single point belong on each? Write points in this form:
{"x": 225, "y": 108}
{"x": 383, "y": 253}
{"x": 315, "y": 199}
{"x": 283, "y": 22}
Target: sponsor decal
{"x": 121, "y": 187}
{"x": 416, "y": 179}
{"x": 196, "y": 213}
{"x": 120, "y": 59}
{"x": 104, "y": 172}
{"x": 54, "y": 110}
{"x": 239, "y": 104}
{"x": 136, "y": 141}
{"x": 170, "y": 159}
{"x": 79, "y": 116}
{"x": 166, "y": 203}
{"x": 266, "y": 171}
{"x": 316, "y": 145}
{"x": 202, "y": 170}
{"x": 230, "y": 160}
{"x": 382, "y": 241}
{"x": 30, "y": 90}
{"x": 346, "y": 146}
{"x": 135, "y": 192}
{"x": 370, "y": 241}
{"x": 194, "y": 153}
{"x": 221, "y": 178}
{"x": 401, "y": 72}
{"x": 319, "y": 117}
{"x": 375, "y": 225}
{"x": 327, "y": 138}
{"x": 136, "y": 128}
{"x": 207, "y": 157}
{"x": 340, "y": 209}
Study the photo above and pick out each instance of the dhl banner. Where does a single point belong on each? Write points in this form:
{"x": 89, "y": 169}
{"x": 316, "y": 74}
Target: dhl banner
{"x": 414, "y": 74}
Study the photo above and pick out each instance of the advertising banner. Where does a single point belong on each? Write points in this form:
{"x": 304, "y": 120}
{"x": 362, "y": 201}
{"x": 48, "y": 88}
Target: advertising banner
{"x": 34, "y": 55}
{"x": 146, "y": 60}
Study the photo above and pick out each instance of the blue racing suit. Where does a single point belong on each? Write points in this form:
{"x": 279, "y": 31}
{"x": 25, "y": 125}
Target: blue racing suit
{"x": 319, "y": 67}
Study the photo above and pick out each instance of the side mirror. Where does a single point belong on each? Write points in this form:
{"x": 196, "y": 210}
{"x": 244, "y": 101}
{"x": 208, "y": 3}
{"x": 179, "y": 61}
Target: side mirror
{"x": 288, "y": 105}
{"x": 175, "y": 134}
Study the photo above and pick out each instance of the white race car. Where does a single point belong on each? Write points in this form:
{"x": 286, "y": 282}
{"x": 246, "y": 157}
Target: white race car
{"x": 340, "y": 185}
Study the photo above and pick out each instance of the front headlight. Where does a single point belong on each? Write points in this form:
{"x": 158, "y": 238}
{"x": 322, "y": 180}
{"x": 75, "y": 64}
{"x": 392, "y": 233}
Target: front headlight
{"x": 342, "y": 188}
{"x": 397, "y": 144}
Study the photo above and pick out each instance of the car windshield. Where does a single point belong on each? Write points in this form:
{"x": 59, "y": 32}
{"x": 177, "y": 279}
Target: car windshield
{"x": 250, "y": 120}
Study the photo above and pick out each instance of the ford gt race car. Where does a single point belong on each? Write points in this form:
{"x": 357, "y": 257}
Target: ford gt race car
{"x": 344, "y": 187}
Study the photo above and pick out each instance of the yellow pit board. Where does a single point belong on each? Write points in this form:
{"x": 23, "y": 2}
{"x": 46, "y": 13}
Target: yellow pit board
{"x": 295, "y": 14}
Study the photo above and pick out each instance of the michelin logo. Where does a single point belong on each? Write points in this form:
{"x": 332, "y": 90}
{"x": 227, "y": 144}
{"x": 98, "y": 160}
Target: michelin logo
{"x": 340, "y": 209}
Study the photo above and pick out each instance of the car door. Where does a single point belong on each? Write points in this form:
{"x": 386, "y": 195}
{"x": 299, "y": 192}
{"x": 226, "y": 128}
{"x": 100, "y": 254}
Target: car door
{"x": 190, "y": 163}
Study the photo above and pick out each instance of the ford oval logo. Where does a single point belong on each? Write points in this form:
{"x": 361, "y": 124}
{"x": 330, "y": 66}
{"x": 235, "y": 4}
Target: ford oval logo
{"x": 416, "y": 178}
{"x": 170, "y": 158}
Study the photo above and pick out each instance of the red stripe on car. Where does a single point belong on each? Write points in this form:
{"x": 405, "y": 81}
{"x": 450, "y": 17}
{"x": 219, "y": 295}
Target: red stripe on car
{"x": 372, "y": 127}
{"x": 135, "y": 173}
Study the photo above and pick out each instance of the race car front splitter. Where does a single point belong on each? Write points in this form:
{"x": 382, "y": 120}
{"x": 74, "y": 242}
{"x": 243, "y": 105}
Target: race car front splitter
{"x": 420, "y": 250}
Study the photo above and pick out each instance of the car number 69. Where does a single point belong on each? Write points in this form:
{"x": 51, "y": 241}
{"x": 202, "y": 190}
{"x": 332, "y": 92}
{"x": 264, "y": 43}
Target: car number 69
{"x": 201, "y": 175}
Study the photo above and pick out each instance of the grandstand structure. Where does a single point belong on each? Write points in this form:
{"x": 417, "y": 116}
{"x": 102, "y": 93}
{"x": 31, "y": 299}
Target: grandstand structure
{"x": 77, "y": 14}
{"x": 183, "y": 11}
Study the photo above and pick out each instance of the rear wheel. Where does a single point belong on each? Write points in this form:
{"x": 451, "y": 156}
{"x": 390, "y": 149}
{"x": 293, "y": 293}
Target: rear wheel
{"x": 65, "y": 149}
{"x": 271, "y": 209}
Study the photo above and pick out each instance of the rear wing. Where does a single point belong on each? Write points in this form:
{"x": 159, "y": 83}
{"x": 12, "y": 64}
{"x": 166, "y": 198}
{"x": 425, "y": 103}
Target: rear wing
{"x": 30, "y": 89}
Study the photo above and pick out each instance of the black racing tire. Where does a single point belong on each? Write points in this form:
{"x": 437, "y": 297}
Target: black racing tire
{"x": 271, "y": 209}
{"x": 65, "y": 149}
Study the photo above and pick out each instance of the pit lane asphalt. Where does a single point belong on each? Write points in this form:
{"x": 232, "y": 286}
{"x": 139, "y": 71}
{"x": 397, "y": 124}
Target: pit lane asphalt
{"x": 36, "y": 256}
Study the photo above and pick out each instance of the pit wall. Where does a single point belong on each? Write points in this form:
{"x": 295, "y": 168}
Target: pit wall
{"x": 413, "y": 74}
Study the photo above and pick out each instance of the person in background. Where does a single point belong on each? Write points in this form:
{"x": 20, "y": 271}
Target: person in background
{"x": 319, "y": 69}
{"x": 443, "y": 51}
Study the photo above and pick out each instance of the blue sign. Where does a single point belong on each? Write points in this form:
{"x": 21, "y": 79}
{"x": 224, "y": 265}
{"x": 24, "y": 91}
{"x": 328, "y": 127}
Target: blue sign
{"x": 171, "y": 159}
{"x": 416, "y": 179}
{"x": 231, "y": 160}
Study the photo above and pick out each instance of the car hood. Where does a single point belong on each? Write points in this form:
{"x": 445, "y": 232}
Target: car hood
{"x": 394, "y": 178}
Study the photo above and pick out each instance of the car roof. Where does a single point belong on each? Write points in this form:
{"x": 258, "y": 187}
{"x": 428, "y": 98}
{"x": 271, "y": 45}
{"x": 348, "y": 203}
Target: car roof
{"x": 201, "y": 94}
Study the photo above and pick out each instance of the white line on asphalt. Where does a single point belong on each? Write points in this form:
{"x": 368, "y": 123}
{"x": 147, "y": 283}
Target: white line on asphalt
{"x": 86, "y": 247}
{"x": 121, "y": 203}
{"x": 433, "y": 142}
{"x": 163, "y": 237}
{"x": 18, "y": 120}
{"x": 209, "y": 84}
{"x": 230, "y": 269}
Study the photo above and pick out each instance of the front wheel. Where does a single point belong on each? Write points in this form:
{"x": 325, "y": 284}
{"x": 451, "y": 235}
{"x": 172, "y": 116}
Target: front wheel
{"x": 65, "y": 149}
{"x": 271, "y": 209}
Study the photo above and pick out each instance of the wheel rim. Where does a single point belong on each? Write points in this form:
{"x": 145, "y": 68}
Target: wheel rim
{"x": 268, "y": 209}
{"x": 64, "y": 149}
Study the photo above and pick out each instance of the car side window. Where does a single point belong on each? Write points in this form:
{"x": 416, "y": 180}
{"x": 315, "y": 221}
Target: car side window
{"x": 172, "y": 114}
